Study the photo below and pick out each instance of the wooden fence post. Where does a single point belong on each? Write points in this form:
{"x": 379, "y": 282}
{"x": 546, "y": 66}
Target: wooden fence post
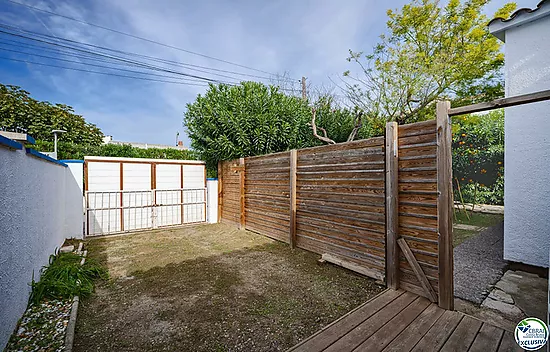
{"x": 242, "y": 176}
{"x": 392, "y": 206}
{"x": 444, "y": 205}
{"x": 293, "y": 165}
{"x": 220, "y": 191}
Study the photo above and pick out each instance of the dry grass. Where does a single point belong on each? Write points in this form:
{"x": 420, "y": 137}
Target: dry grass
{"x": 212, "y": 288}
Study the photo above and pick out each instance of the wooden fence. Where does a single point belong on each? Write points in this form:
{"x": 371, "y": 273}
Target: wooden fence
{"x": 380, "y": 206}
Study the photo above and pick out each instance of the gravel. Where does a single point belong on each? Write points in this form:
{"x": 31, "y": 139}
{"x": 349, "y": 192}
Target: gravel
{"x": 42, "y": 327}
{"x": 478, "y": 264}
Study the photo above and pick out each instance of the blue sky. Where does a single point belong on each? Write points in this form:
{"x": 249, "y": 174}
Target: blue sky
{"x": 301, "y": 38}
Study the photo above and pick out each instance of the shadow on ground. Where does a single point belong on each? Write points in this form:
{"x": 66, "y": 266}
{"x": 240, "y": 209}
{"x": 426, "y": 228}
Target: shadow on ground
{"x": 264, "y": 298}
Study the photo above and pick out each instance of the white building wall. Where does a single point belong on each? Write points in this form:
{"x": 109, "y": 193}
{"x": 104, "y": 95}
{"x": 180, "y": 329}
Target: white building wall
{"x": 212, "y": 201}
{"x": 74, "y": 208}
{"x": 527, "y": 143}
{"x": 35, "y": 196}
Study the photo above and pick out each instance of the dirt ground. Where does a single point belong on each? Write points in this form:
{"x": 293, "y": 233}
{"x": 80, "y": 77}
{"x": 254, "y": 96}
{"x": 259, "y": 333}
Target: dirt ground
{"x": 211, "y": 288}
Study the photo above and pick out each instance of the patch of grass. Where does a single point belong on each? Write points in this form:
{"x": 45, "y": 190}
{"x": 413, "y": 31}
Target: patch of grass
{"x": 230, "y": 291}
{"x": 64, "y": 277}
{"x": 477, "y": 219}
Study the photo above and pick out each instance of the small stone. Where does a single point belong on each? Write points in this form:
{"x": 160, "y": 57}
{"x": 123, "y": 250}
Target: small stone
{"x": 499, "y": 295}
{"x": 505, "y": 308}
{"x": 66, "y": 249}
{"x": 507, "y": 286}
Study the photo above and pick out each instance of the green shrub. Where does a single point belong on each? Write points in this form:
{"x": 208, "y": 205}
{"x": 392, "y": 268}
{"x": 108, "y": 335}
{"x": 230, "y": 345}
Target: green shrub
{"x": 478, "y": 157}
{"x": 64, "y": 277}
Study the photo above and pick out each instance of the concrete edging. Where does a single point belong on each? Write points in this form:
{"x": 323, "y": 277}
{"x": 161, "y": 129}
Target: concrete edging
{"x": 69, "y": 333}
{"x": 481, "y": 208}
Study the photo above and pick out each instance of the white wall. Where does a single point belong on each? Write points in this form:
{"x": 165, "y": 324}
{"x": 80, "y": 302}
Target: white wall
{"x": 527, "y": 143}
{"x": 35, "y": 196}
{"x": 212, "y": 201}
{"x": 74, "y": 205}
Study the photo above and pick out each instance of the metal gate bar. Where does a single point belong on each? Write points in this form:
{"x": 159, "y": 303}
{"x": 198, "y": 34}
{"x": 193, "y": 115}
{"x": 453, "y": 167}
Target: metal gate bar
{"x": 110, "y": 212}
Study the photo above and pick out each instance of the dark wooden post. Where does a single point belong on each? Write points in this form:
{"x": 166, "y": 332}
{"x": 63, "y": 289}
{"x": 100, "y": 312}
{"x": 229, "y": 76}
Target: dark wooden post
{"x": 220, "y": 190}
{"x": 293, "y": 165}
{"x": 392, "y": 206}
{"x": 444, "y": 205}
{"x": 242, "y": 198}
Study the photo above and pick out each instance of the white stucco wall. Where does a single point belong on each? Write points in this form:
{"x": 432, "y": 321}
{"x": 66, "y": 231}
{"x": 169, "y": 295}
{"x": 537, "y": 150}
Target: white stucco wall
{"x": 74, "y": 205}
{"x": 35, "y": 197}
{"x": 527, "y": 146}
{"x": 212, "y": 201}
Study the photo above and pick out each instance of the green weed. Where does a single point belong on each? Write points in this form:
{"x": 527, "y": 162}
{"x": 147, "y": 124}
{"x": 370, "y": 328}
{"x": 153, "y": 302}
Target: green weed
{"x": 64, "y": 277}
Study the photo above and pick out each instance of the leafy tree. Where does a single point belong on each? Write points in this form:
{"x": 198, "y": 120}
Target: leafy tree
{"x": 430, "y": 52}
{"x": 478, "y": 157}
{"x": 244, "y": 120}
{"x": 18, "y": 111}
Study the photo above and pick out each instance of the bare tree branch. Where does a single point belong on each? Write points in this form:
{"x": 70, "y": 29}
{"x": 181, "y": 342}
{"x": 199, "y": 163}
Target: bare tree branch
{"x": 358, "y": 125}
{"x": 314, "y": 127}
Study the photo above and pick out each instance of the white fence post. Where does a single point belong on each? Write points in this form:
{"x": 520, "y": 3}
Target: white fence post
{"x": 212, "y": 201}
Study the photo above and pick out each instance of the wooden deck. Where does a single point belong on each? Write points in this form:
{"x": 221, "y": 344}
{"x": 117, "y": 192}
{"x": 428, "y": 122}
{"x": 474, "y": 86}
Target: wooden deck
{"x": 403, "y": 321}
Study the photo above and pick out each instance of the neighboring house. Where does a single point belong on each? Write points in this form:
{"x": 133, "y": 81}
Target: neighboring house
{"x": 526, "y": 35}
{"x": 109, "y": 140}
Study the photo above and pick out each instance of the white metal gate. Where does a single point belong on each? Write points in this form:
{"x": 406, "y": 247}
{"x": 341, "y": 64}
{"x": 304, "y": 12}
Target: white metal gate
{"x": 124, "y": 194}
{"x": 109, "y": 212}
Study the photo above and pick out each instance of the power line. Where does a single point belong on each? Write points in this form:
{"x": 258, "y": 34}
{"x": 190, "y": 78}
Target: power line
{"x": 102, "y": 73}
{"x": 152, "y": 58}
{"x": 141, "y": 64}
{"x": 101, "y": 66}
{"x": 137, "y": 37}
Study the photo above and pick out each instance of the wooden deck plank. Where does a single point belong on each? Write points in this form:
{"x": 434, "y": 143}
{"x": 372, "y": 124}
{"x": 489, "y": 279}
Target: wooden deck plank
{"x": 367, "y": 328}
{"x": 487, "y": 339}
{"x": 438, "y": 334}
{"x": 385, "y": 335}
{"x": 340, "y": 327}
{"x": 463, "y": 336}
{"x": 407, "y": 339}
{"x": 508, "y": 343}
{"x": 397, "y": 320}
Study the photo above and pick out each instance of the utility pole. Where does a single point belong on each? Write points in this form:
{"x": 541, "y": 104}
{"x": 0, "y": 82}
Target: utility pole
{"x": 304, "y": 88}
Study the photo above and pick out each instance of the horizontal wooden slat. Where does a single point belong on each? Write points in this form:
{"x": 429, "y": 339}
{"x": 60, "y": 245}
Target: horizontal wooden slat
{"x": 417, "y": 139}
{"x": 359, "y": 144}
{"x": 377, "y": 253}
{"x": 322, "y": 247}
{"x": 413, "y": 128}
{"x": 353, "y": 204}
{"x": 343, "y": 165}
{"x": 342, "y": 212}
{"x": 350, "y": 221}
{"x": 373, "y": 240}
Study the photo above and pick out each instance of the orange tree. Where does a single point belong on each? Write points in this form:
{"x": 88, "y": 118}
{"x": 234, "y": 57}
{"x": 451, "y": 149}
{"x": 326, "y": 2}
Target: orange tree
{"x": 478, "y": 157}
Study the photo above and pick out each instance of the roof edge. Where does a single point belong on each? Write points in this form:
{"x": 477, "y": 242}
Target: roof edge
{"x": 498, "y": 26}
{"x": 518, "y": 12}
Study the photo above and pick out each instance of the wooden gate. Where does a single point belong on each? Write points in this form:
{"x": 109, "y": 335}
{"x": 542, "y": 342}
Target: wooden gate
{"x": 379, "y": 206}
